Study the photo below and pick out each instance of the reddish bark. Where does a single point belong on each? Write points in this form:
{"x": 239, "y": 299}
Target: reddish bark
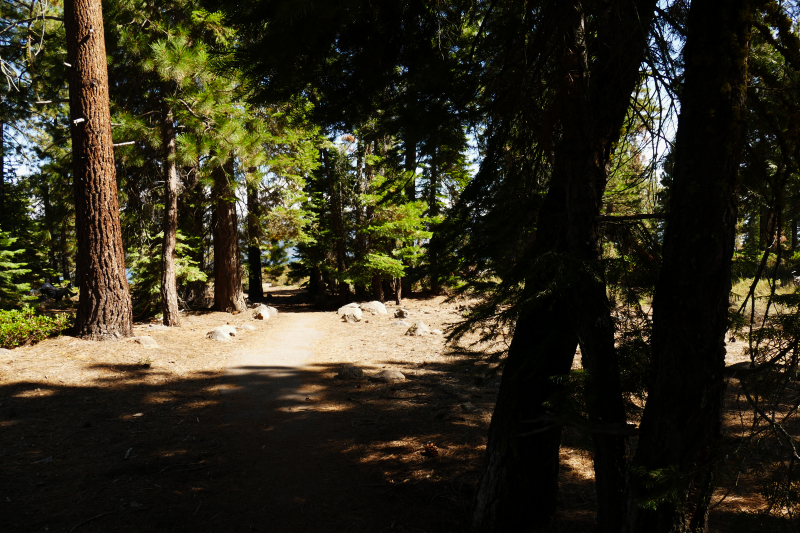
{"x": 228, "y": 295}
{"x": 169, "y": 290}
{"x": 104, "y": 309}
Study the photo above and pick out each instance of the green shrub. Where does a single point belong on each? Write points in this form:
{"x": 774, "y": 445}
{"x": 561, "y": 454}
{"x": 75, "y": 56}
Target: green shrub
{"x": 23, "y": 326}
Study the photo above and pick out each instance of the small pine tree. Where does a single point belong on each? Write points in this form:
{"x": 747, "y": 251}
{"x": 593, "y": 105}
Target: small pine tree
{"x": 11, "y": 292}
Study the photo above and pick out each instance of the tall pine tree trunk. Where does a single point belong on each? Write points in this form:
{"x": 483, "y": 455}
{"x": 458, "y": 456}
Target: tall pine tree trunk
{"x": 594, "y": 106}
{"x": 64, "y": 251}
{"x": 191, "y": 220}
{"x": 433, "y": 211}
{"x": 256, "y": 291}
{"x": 411, "y": 194}
{"x": 520, "y": 478}
{"x": 228, "y": 294}
{"x": 104, "y": 309}
{"x": 169, "y": 289}
{"x": 2, "y": 174}
{"x": 681, "y": 423}
{"x": 518, "y": 486}
{"x": 338, "y": 225}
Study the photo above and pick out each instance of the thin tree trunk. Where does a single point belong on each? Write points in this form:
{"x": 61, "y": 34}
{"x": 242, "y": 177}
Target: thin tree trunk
{"x": 104, "y": 309}
{"x": 411, "y": 194}
{"x": 338, "y": 226}
{"x": 64, "y": 251}
{"x": 793, "y": 230}
{"x": 681, "y": 424}
{"x": 256, "y": 291}
{"x": 433, "y": 211}
{"x": 322, "y": 294}
{"x": 592, "y": 116}
{"x": 377, "y": 288}
{"x": 2, "y": 173}
{"x": 48, "y": 221}
{"x": 169, "y": 289}
{"x": 228, "y": 294}
{"x": 191, "y": 219}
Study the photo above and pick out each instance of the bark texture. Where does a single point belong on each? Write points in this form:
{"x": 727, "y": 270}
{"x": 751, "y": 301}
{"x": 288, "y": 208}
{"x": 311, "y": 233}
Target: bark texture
{"x": 255, "y": 284}
{"x": 338, "y": 225}
{"x": 228, "y": 295}
{"x": 519, "y": 482}
{"x": 681, "y": 422}
{"x": 594, "y": 106}
{"x": 2, "y": 174}
{"x": 104, "y": 309}
{"x": 169, "y": 289}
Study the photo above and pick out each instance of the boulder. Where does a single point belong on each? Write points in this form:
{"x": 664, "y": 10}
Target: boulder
{"x": 350, "y": 314}
{"x": 247, "y": 327}
{"x": 389, "y": 376}
{"x": 144, "y": 340}
{"x": 344, "y": 308}
{"x": 418, "y": 330}
{"x": 400, "y": 323}
{"x": 376, "y": 308}
{"x": 401, "y": 313}
{"x": 468, "y": 407}
{"x": 350, "y": 372}
{"x": 272, "y": 311}
{"x": 261, "y": 312}
{"x": 222, "y": 333}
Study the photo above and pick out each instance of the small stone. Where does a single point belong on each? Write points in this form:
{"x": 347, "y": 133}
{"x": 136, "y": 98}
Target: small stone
{"x": 350, "y": 372}
{"x": 436, "y": 332}
{"x": 376, "y": 308}
{"x": 401, "y": 313}
{"x": 468, "y": 407}
{"x": 418, "y": 330}
{"x": 389, "y": 376}
{"x": 400, "y": 323}
{"x": 247, "y": 327}
{"x": 261, "y": 312}
{"x": 145, "y": 341}
{"x": 350, "y": 313}
{"x": 222, "y": 333}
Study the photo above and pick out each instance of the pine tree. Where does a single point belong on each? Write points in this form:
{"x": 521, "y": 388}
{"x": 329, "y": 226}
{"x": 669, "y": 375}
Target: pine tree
{"x": 104, "y": 310}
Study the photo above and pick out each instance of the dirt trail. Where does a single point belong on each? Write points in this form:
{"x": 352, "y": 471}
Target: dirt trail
{"x": 266, "y": 379}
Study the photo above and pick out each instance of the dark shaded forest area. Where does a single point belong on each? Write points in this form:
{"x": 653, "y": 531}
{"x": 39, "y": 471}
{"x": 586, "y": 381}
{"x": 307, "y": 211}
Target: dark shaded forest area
{"x": 616, "y": 179}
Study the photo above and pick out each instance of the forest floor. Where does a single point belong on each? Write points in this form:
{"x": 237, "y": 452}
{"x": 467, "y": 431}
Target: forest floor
{"x": 259, "y": 434}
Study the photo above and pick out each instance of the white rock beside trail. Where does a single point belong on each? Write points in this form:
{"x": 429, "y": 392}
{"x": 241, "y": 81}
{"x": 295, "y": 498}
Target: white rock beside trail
{"x": 144, "y": 340}
{"x": 418, "y": 330}
{"x": 376, "y": 308}
{"x": 247, "y": 327}
{"x": 222, "y": 333}
{"x": 389, "y": 376}
{"x": 261, "y": 312}
{"x": 350, "y": 372}
{"x": 350, "y": 313}
{"x": 401, "y": 313}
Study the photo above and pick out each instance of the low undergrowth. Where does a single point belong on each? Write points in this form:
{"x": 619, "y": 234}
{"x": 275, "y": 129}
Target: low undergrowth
{"x": 19, "y": 327}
